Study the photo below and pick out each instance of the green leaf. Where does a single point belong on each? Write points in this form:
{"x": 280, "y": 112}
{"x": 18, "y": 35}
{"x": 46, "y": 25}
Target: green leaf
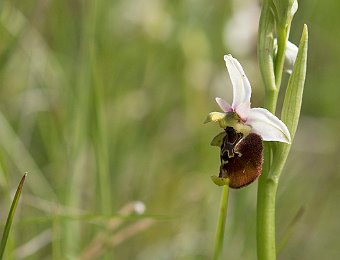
{"x": 293, "y": 99}
{"x": 292, "y": 105}
{"x": 10, "y": 216}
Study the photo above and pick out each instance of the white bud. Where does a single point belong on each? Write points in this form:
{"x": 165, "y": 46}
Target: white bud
{"x": 290, "y": 55}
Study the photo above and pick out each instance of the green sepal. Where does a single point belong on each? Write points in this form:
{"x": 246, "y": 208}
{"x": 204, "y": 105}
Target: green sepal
{"x": 220, "y": 181}
{"x": 218, "y": 139}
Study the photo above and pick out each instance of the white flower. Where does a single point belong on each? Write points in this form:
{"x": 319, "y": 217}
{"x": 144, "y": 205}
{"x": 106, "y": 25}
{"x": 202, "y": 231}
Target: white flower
{"x": 240, "y": 116}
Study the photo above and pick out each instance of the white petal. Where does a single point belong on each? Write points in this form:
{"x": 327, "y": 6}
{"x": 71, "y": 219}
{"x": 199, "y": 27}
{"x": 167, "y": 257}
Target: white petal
{"x": 268, "y": 126}
{"x": 223, "y": 104}
{"x": 239, "y": 80}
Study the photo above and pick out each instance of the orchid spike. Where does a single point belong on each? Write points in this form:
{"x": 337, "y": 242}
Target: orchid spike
{"x": 240, "y": 116}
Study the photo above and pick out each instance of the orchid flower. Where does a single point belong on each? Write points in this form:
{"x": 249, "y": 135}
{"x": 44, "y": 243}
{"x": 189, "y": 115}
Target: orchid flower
{"x": 240, "y": 116}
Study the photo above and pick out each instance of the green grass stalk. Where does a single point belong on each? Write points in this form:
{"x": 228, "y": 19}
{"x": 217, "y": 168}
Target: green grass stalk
{"x": 11, "y": 216}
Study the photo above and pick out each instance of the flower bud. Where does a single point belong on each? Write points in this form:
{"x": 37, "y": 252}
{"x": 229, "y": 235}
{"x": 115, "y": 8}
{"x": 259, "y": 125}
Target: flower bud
{"x": 290, "y": 55}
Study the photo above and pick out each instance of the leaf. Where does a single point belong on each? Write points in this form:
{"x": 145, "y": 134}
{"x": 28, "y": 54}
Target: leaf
{"x": 292, "y": 104}
{"x": 293, "y": 99}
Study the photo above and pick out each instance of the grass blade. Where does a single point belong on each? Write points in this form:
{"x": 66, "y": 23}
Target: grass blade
{"x": 10, "y": 216}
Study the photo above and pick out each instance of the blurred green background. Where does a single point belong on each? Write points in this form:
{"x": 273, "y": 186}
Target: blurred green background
{"x": 103, "y": 103}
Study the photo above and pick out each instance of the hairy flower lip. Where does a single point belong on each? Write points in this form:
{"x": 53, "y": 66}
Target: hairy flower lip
{"x": 244, "y": 168}
{"x": 253, "y": 120}
{"x": 241, "y": 158}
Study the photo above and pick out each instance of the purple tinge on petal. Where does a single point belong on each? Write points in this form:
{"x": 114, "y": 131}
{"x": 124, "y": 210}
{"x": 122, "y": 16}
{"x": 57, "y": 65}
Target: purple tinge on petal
{"x": 243, "y": 110}
{"x": 239, "y": 80}
{"x": 268, "y": 126}
{"x": 223, "y": 104}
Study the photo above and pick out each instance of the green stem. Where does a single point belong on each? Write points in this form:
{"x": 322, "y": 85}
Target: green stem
{"x": 266, "y": 212}
{"x": 266, "y": 197}
{"x": 99, "y": 120}
{"x": 221, "y": 223}
{"x": 268, "y": 182}
{"x": 271, "y": 99}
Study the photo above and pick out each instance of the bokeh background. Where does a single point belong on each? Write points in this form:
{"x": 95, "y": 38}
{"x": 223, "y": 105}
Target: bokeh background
{"x": 102, "y": 102}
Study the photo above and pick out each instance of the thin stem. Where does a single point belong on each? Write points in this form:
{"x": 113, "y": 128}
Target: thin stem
{"x": 221, "y": 223}
{"x": 268, "y": 182}
{"x": 266, "y": 212}
{"x": 266, "y": 193}
{"x": 266, "y": 197}
{"x": 99, "y": 120}
{"x": 271, "y": 99}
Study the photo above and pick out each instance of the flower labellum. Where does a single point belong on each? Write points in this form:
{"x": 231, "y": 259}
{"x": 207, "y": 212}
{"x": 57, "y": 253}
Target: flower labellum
{"x": 241, "y": 158}
{"x": 244, "y": 129}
